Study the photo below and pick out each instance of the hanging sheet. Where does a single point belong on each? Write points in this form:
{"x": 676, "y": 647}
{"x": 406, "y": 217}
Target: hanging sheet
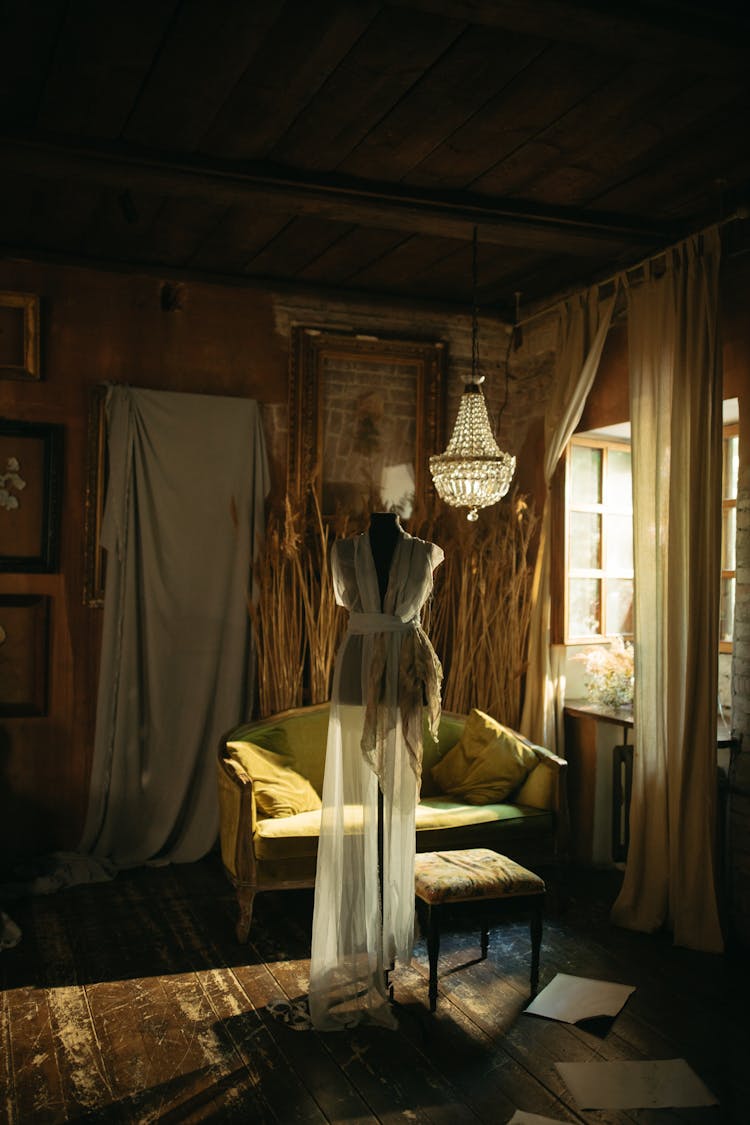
{"x": 184, "y": 513}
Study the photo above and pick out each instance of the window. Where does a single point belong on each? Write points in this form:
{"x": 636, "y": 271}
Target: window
{"x": 598, "y": 540}
{"x": 728, "y": 536}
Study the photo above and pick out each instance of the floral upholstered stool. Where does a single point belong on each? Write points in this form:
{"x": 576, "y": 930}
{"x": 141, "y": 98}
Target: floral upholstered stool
{"x": 473, "y": 875}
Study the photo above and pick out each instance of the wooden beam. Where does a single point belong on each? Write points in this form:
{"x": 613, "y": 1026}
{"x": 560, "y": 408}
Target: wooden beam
{"x": 706, "y": 39}
{"x": 394, "y": 207}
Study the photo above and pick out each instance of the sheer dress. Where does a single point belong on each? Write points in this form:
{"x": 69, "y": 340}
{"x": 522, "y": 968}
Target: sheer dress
{"x": 386, "y": 674}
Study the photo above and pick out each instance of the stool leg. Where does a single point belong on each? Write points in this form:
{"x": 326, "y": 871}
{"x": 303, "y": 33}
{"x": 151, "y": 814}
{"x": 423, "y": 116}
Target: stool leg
{"x": 536, "y": 942}
{"x": 485, "y": 940}
{"x": 433, "y": 949}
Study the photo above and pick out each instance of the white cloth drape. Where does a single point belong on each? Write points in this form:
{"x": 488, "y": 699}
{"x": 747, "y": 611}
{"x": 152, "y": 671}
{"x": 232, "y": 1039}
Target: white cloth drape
{"x": 183, "y": 516}
{"x": 351, "y": 940}
{"x": 583, "y": 327}
{"x": 675, "y": 395}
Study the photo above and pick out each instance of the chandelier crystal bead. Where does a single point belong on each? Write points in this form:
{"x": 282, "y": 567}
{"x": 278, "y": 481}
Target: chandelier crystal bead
{"x": 473, "y": 472}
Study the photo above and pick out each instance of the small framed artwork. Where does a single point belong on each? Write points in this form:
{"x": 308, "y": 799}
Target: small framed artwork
{"x": 24, "y": 654}
{"x": 30, "y": 496}
{"x": 94, "y": 557}
{"x": 364, "y": 415}
{"x": 19, "y": 336}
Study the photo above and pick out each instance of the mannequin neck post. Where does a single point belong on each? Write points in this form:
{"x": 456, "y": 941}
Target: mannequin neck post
{"x": 384, "y": 533}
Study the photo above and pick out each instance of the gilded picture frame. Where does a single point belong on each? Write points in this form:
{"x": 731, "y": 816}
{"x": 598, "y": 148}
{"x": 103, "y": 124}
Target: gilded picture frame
{"x": 19, "y": 336}
{"x": 96, "y": 483}
{"x": 365, "y": 413}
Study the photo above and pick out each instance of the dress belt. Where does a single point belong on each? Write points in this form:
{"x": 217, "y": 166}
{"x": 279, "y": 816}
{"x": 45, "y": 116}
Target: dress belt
{"x": 361, "y": 623}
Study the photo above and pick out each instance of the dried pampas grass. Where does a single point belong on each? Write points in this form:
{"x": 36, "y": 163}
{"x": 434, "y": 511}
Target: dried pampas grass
{"x": 482, "y": 605}
{"x": 478, "y": 619}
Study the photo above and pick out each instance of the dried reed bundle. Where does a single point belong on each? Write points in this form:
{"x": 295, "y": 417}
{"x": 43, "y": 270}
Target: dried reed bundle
{"x": 278, "y": 616}
{"x": 324, "y": 620}
{"x": 479, "y": 614}
{"x": 482, "y": 606}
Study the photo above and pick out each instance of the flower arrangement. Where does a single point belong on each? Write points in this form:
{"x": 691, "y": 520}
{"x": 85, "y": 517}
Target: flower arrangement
{"x": 610, "y": 673}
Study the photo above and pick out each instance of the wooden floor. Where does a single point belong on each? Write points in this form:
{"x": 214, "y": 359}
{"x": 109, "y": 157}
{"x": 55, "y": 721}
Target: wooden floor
{"x": 131, "y": 1001}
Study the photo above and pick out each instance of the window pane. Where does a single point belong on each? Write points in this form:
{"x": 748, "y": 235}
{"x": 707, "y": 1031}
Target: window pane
{"x": 620, "y": 606}
{"x": 731, "y": 466}
{"x": 585, "y": 541}
{"x": 620, "y": 543}
{"x": 619, "y": 489}
{"x": 586, "y": 474}
{"x": 726, "y": 612}
{"x": 729, "y": 539}
{"x": 584, "y": 607}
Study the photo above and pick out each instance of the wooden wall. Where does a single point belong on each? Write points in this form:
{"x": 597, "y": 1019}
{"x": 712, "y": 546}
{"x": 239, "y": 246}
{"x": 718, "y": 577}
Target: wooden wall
{"x": 99, "y": 327}
{"x": 111, "y": 327}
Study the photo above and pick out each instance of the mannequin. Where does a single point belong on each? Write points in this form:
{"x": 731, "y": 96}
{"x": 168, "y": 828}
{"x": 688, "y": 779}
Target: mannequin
{"x": 363, "y": 916}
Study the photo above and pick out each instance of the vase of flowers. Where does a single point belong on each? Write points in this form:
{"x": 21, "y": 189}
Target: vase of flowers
{"x": 610, "y": 673}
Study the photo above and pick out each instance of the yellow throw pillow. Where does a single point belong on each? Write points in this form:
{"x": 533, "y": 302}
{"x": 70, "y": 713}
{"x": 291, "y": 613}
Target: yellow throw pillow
{"x": 487, "y": 763}
{"x": 279, "y": 790}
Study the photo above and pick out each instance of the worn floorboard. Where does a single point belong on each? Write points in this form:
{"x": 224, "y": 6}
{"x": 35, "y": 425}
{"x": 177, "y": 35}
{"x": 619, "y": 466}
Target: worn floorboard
{"x": 131, "y": 1001}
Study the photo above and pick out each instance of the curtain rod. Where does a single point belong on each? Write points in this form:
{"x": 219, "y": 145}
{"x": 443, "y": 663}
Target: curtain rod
{"x": 740, "y": 213}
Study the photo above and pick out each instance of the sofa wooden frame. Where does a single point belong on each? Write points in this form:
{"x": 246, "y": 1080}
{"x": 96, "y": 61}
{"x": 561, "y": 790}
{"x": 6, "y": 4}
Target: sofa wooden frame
{"x": 249, "y": 877}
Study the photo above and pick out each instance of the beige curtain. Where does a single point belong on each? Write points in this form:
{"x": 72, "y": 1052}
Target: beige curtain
{"x": 675, "y": 394}
{"x": 584, "y": 323}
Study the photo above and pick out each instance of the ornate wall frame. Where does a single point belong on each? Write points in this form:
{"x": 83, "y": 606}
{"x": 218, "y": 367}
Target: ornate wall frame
{"x": 24, "y": 654}
{"x": 31, "y": 467}
{"x": 96, "y": 483}
{"x": 357, "y": 361}
{"x": 19, "y": 336}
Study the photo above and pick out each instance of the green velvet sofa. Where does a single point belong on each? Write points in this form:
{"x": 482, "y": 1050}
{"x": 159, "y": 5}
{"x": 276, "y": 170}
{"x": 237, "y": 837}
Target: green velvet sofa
{"x": 262, "y": 853}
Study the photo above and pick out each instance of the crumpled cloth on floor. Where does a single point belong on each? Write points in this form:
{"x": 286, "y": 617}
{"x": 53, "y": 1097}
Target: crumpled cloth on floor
{"x": 10, "y": 933}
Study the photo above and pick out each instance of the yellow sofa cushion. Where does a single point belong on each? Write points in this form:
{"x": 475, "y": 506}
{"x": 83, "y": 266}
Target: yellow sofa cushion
{"x": 279, "y": 790}
{"x": 292, "y": 837}
{"x": 487, "y": 763}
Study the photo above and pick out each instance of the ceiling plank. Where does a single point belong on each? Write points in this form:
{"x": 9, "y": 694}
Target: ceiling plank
{"x": 358, "y": 250}
{"x": 682, "y": 127}
{"x": 301, "y": 50}
{"x": 381, "y": 67}
{"x": 406, "y": 262}
{"x": 712, "y": 39}
{"x": 469, "y": 74}
{"x": 294, "y": 247}
{"x": 29, "y": 34}
{"x": 599, "y": 119}
{"x": 239, "y": 236}
{"x": 549, "y": 86}
{"x": 443, "y": 214}
{"x": 102, "y": 56}
{"x": 177, "y": 228}
{"x": 195, "y": 72}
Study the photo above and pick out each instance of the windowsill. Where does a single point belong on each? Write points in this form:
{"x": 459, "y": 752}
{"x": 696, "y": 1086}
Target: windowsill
{"x": 582, "y": 708}
{"x": 623, "y": 716}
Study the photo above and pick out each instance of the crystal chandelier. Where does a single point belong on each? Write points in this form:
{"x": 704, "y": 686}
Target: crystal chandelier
{"x": 473, "y": 472}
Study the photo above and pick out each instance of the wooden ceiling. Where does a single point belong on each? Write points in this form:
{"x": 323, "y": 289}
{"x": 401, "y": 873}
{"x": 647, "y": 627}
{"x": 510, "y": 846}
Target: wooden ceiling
{"x": 355, "y": 145}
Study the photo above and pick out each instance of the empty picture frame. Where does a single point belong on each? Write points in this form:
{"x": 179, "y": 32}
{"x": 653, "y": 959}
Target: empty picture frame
{"x": 24, "y": 655}
{"x": 30, "y": 496}
{"x": 19, "y": 336}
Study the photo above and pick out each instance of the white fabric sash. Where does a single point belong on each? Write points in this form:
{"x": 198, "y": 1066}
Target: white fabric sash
{"x": 362, "y": 623}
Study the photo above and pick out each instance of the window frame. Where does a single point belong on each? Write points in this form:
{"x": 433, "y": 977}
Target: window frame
{"x": 601, "y": 573}
{"x": 730, "y": 430}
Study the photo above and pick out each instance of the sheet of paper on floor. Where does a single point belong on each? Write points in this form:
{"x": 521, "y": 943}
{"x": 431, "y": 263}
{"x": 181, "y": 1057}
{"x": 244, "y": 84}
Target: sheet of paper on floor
{"x": 572, "y": 999}
{"x": 521, "y": 1117}
{"x": 648, "y": 1084}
